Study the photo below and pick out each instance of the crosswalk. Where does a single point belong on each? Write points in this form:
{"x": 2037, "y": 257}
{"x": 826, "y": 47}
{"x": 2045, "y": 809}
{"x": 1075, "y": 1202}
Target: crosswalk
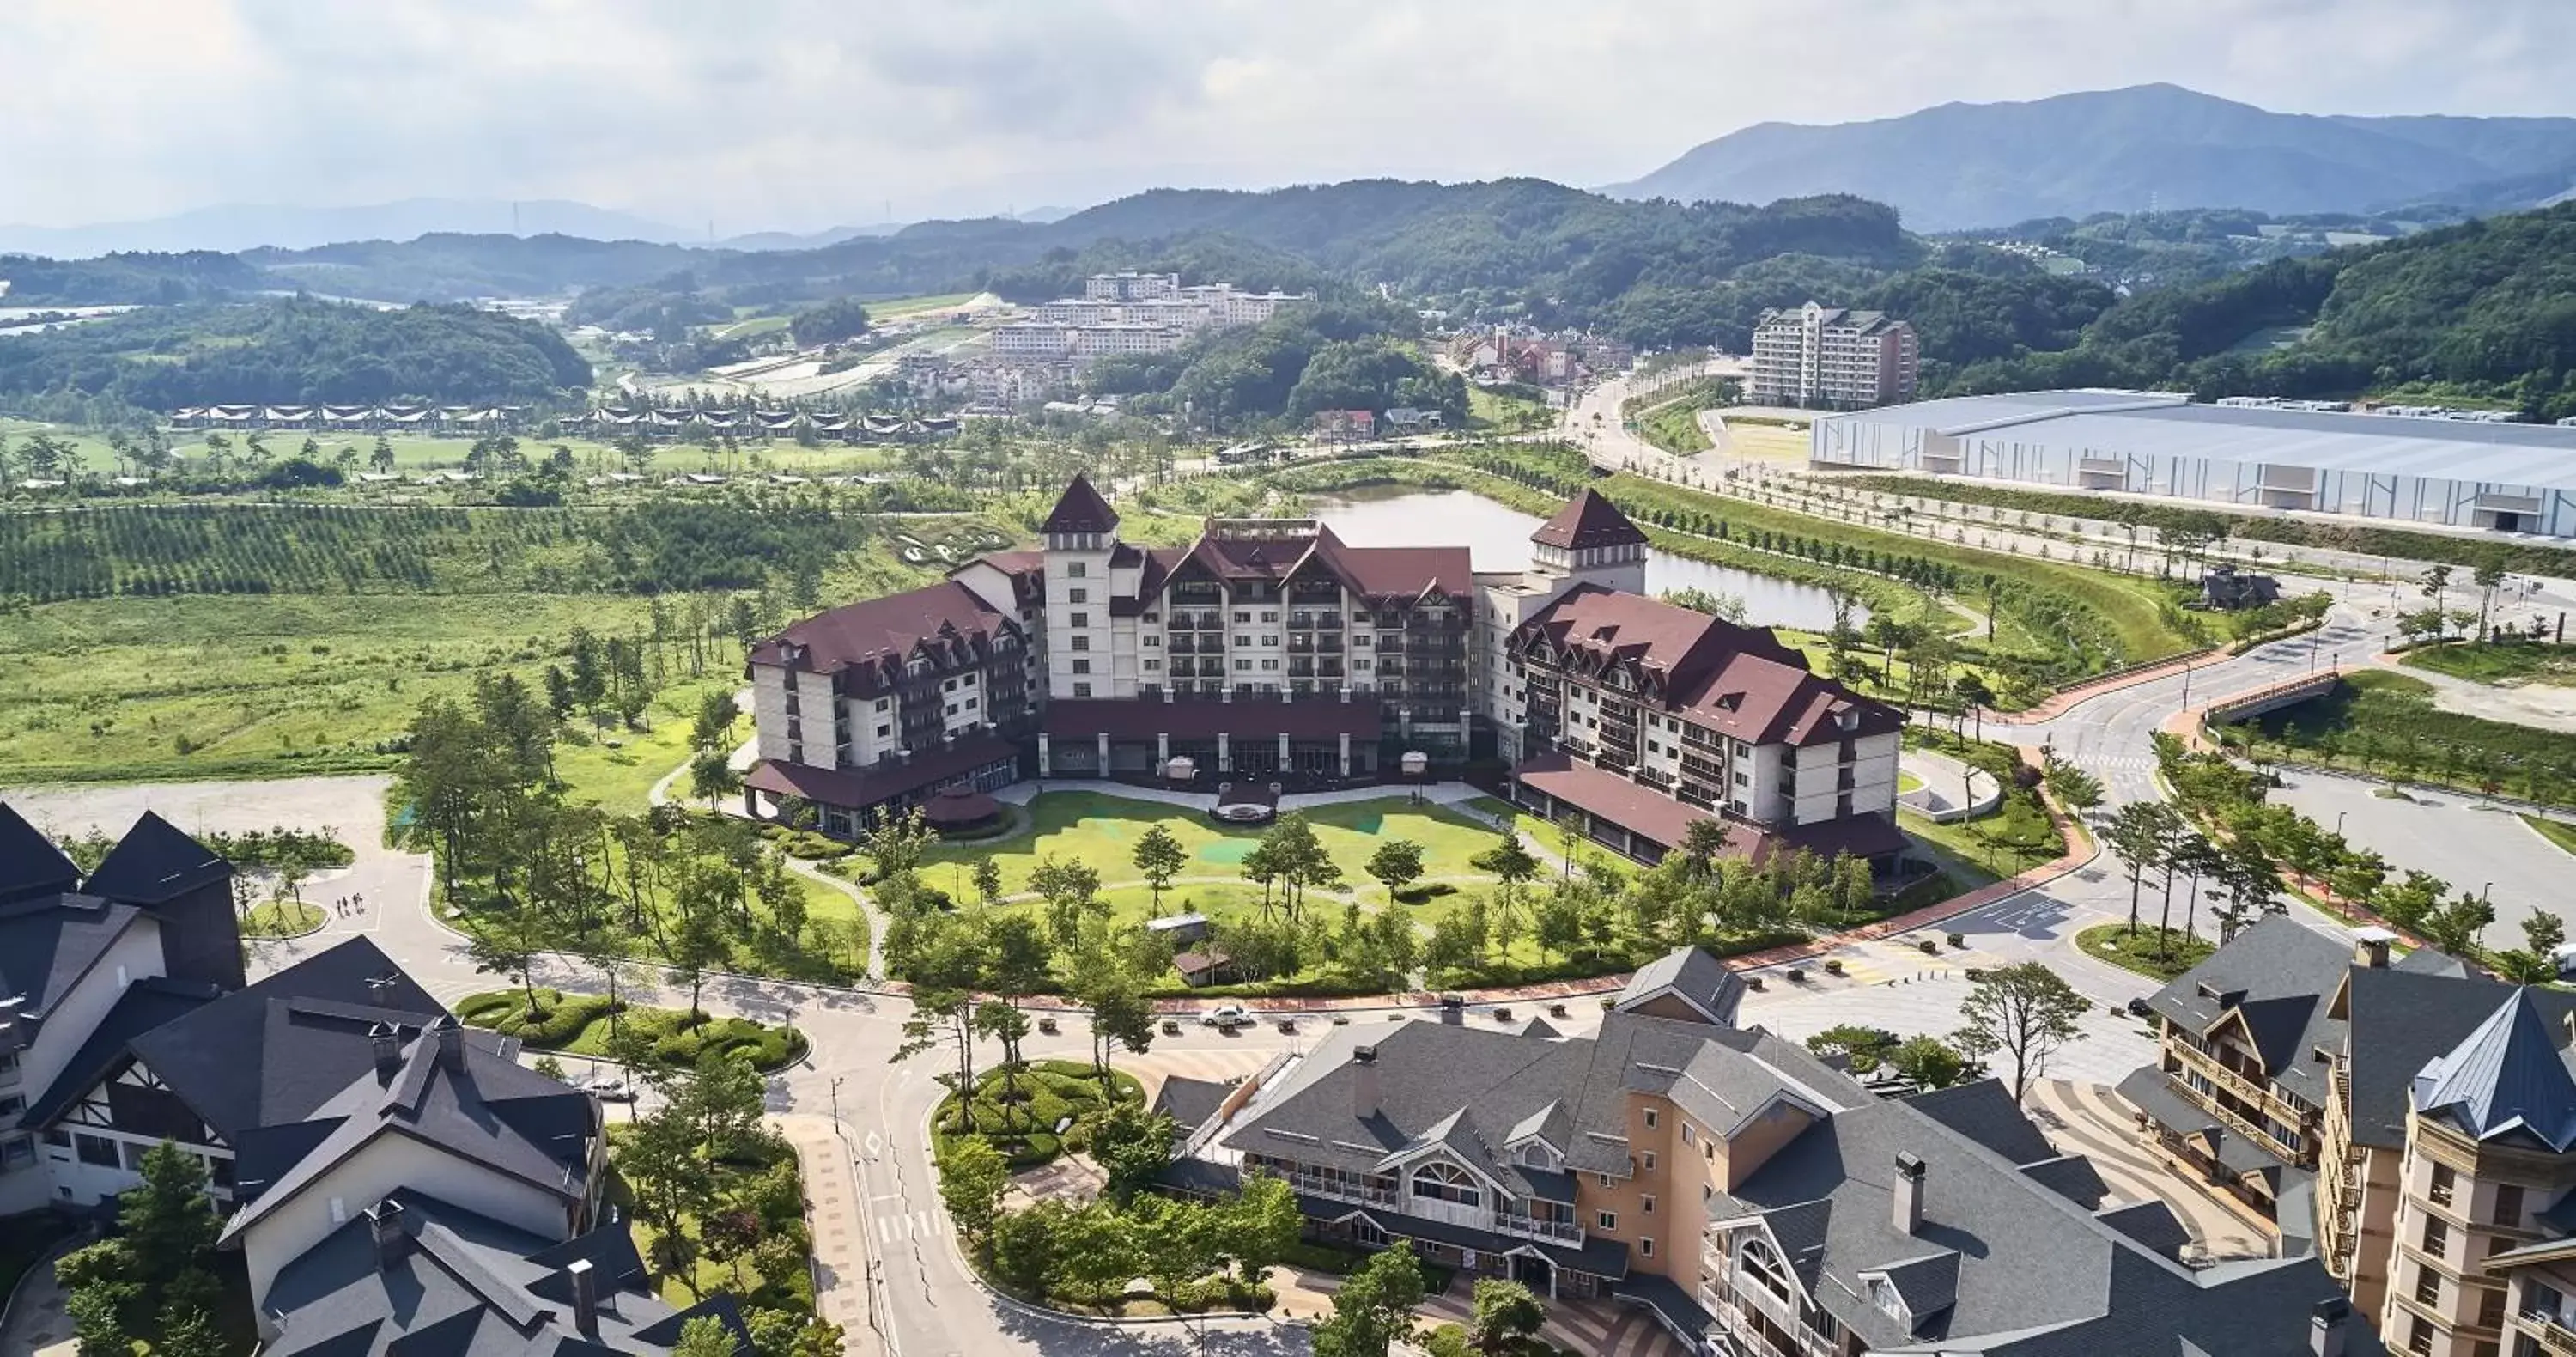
{"x": 912, "y": 1225}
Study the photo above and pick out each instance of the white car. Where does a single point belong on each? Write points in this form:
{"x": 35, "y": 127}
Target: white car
{"x": 1225, "y": 1017}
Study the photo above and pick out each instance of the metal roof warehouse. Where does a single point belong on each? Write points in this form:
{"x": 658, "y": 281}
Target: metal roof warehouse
{"x": 2503, "y": 477}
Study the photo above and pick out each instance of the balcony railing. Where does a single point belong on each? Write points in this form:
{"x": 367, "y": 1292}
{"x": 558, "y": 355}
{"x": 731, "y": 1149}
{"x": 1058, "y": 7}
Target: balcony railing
{"x": 1338, "y": 1189}
{"x": 2555, "y": 1335}
{"x": 1534, "y": 1227}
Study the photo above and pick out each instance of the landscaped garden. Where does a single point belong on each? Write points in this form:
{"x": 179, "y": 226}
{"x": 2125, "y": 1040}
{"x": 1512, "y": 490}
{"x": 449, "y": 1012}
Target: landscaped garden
{"x": 274, "y": 919}
{"x": 2152, "y": 951}
{"x": 1033, "y": 1112}
{"x": 596, "y": 1025}
{"x": 2387, "y": 724}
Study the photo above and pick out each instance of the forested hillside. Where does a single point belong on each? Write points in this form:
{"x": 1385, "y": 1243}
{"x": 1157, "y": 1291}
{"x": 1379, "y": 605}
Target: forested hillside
{"x": 291, "y": 352}
{"x": 1334, "y": 356}
{"x": 126, "y": 279}
{"x": 2482, "y": 310}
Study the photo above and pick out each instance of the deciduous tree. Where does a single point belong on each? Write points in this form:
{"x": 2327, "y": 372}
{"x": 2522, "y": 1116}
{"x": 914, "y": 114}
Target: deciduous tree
{"x": 2025, "y": 1011}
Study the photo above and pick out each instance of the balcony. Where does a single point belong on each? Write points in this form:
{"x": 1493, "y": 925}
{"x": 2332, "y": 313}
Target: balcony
{"x": 2553, "y": 1332}
{"x": 1534, "y": 1227}
{"x": 1338, "y": 1189}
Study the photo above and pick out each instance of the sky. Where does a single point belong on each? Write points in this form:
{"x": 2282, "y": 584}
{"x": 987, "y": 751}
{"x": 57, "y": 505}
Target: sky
{"x": 751, "y": 115}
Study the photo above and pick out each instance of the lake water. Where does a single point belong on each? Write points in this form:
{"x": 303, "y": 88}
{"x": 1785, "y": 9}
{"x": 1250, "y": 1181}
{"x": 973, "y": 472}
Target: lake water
{"x": 1497, "y": 538}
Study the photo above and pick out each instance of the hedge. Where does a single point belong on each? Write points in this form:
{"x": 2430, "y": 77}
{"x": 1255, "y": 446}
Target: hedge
{"x": 575, "y": 1024}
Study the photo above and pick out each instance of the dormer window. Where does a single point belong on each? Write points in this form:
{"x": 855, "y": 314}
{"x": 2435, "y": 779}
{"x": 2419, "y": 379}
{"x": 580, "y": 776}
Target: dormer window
{"x": 1882, "y": 1294}
{"x": 1437, "y": 1181}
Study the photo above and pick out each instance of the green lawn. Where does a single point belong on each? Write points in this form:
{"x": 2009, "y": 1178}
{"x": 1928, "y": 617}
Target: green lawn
{"x": 617, "y": 770}
{"x": 151, "y": 689}
{"x": 899, "y": 307}
{"x": 2555, "y": 664}
{"x": 2558, "y": 832}
{"x": 2387, "y": 723}
{"x": 1675, "y": 428}
{"x": 578, "y": 1025}
{"x": 1102, "y": 830}
{"x": 2156, "y": 954}
{"x": 1907, "y": 782}
{"x": 281, "y": 919}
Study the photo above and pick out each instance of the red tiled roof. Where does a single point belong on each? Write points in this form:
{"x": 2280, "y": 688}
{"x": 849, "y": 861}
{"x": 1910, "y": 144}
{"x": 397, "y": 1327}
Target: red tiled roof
{"x": 1650, "y": 814}
{"x": 1080, "y": 509}
{"x": 885, "y": 631}
{"x": 858, "y": 787}
{"x": 1201, "y": 719}
{"x": 1587, "y": 521}
{"x": 1741, "y": 681}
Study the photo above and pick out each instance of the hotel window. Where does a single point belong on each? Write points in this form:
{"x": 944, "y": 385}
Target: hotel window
{"x": 2428, "y": 1287}
{"x": 96, "y": 1151}
{"x": 1650, "y": 1118}
{"x": 1152, "y": 640}
{"x": 1076, "y": 570}
{"x": 1082, "y": 643}
{"x": 2445, "y": 1182}
{"x": 1153, "y": 665}
{"x": 881, "y": 731}
{"x": 2508, "y": 1205}
{"x": 1650, "y": 1161}
{"x": 1605, "y": 1180}
{"x": 1646, "y": 1248}
{"x": 1242, "y": 615}
{"x": 1082, "y": 690}
{"x": 1077, "y": 596}
{"x": 1079, "y": 667}
{"x": 1646, "y": 1205}
{"x": 1079, "y": 619}
{"x": 1243, "y": 662}
{"x": 1605, "y": 1220}
{"x": 2437, "y": 1237}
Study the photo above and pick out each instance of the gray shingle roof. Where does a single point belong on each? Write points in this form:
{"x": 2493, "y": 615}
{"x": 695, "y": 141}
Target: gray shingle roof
{"x": 155, "y": 861}
{"x": 30, "y": 863}
{"x": 490, "y": 1111}
{"x": 1695, "y": 974}
{"x": 47, "y": 944}
{"x": 2507, "y": 1080}
{"x": 269, "y": 1054}
{"x": 1190, "y": 1102}
{"x": 2285, "y": 975}
{"x": 1984, "y": 1111}
{"x": 2402, "y": 1021}
{"x": 146, "y": 1004}
{"x": 468, "y": 1286}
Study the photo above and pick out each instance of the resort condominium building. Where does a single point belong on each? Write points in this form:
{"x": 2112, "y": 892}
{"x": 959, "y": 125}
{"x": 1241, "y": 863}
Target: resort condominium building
{"x": 1829, "y": 357}
{"x": 1270, "y": 649}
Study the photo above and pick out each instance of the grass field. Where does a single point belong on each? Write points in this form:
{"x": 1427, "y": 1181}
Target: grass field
{"x": 2387, "y": 723}
{"x": 2553, "y": 664}
{"x": 1766, "y": 442}
{"x": 2155, "y": 953}
{"x": 420, "y": 452}
{"x": 616, "y": 772}
{"x": 1502, "y": 410}
{"x": 1102, "y": 830}
{"x": 897, "y": 307}
{"x": 281, "y": 919}
{"x": 153, "y": 689}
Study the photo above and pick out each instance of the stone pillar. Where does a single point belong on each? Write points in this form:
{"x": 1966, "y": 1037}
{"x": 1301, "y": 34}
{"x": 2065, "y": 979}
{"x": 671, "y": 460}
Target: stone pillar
{"x": 1046, "y": 757}
{"x": 1284, "y": 764}
{"x": 1346, "y": 753}
{"x": 1224, "y": 754}
{"x": 1162, "y": 749}
{"x": 1104, "y": 753}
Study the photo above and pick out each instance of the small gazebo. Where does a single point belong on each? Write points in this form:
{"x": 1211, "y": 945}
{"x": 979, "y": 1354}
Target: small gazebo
{"x": 960, "y": 810}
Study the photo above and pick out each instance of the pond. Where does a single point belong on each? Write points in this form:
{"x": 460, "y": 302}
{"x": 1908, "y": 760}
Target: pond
{"x": 1497, "y": 538}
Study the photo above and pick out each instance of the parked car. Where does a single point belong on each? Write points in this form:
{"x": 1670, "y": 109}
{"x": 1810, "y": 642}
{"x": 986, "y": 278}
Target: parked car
{"x": 1226, "y": 1017}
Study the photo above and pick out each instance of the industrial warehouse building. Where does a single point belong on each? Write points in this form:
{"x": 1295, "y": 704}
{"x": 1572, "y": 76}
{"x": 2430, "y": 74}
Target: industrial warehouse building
{"x": 2517, "y": 478}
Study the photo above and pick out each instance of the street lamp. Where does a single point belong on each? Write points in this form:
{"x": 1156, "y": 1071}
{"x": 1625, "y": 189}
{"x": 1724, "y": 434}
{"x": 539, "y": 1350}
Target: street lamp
{"x": 2339, "y": 822}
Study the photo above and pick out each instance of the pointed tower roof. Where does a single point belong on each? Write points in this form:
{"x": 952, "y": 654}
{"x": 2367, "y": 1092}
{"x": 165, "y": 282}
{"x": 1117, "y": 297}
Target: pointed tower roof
{"x": 2507, "y": 1076}
{"x": 156, "y": 861}
{"x": 30, "y": 863}
{"x": 1588, "y": 521}
{"x": 1081, "y": 510}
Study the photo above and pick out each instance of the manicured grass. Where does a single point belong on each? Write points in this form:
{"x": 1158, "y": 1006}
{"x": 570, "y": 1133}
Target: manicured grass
{"x": 2152, "y": 952}
{"x": 281, "y": 919}
{"x": 153, "y": 689}
{"x": 617, "y": 779}
{"x": 1907, "y": 782}
{"x": 1674, "y": 427}
{"x": 1102, "y": 830}
{"x": 2558, "y": 832}
{"x": 703, "y": 1275}
{"x": 1505, "y": 410}
{"x": 2554, "y": 664}
{"x": 1019, "y": 1110}
{"x": 579, "y": 1025}
{"x": 898, "y": 307}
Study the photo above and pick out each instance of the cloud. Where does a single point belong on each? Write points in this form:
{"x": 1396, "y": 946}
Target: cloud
{"x": 802, "y": 113}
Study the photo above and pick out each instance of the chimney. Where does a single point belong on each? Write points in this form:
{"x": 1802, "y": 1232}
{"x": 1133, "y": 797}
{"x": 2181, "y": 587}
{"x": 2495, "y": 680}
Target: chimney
{"x": 385, "y": 1230}
{"x": 1453, "y": 1010}
{"x": 451, "y": 1044}
{"x": 585, "y": 1297}
{"x": 2327, "y": 1325}
{"x": 2370, "y": 947}
{"x": 1364, "y": 1091}
{"x": 1908, "y": 1214}
{"x": 388, "y": 1044}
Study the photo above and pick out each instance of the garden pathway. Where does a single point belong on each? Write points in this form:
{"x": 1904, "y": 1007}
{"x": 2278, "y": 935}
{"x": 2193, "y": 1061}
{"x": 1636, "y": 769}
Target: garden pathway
{"x": 838, "y": 1220}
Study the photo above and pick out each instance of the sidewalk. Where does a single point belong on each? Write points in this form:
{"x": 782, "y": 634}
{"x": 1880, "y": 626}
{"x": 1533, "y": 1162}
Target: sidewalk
{"x": 832, "y": 1212}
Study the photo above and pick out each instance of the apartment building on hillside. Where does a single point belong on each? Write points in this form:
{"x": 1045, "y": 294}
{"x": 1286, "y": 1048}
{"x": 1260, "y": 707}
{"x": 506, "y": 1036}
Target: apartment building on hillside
{"x": 1755, "y": 1197}
{"x": 1831, "y": 358}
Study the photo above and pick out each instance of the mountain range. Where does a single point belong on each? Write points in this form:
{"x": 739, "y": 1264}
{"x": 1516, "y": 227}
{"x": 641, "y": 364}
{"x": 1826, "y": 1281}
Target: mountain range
{"x": 1965, "y": 166}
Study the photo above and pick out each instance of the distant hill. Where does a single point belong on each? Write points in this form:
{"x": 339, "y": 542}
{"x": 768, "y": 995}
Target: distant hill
{"x": 250, "y": 226}
{"x": 1963, "y": 166}
{"x": 2484, "y": 310}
